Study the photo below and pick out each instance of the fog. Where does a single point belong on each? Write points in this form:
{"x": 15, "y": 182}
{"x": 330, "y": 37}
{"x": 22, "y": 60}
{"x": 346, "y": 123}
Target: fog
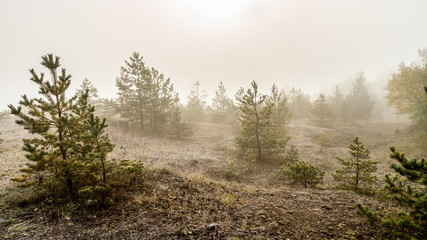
{"x": 311, "y": 45}
{"x": 213, "y": 119}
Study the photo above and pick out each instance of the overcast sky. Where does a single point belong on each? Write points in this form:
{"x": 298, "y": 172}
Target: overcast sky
{"x": 306, "y": 44}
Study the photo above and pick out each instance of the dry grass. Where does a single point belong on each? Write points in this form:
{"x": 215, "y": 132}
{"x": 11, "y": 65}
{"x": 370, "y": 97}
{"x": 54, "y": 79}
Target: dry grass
{"x": 182, "y": 198}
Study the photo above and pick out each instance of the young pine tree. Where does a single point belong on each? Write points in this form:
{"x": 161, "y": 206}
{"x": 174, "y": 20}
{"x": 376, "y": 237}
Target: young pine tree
{"x": 223, "y": 106}
{"x": 360, "y": 100}
{"x": 300, "y": 104}
{"x": 281, "y": 114}
{"x": 69, "y": 152}
{"x": 303, "y": 173}
{"x": 196, "y": 105}
{"x": 324, "y": 141}
{"x": 257, "y": 139}
{"x": 176, "y": 128}
{"x": 357, "y": 172}
{"x": 339, "y": 106}
{"x": 410, "y": 190}
{"x": 292, "y": 155}
{"x": 321, "y": 109}
{"x": 146, "y": 97}
{"x": 87, "y": 86}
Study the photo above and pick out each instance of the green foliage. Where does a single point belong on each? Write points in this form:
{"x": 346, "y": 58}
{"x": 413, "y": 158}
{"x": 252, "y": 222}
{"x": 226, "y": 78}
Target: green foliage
{"x": 126, "y": 172}
{"x": 303, "y": 173}
{"x": 409, "y": 188}
{"x": 146, "y": 97}
{"x": 405, "y": 89}
{"x": 406, "y": 93}
{"x": 106, "y": 108}
{"x": 231, "y": 169}
{"x": 281, "y": 115}
{"x": 223, "y": 106}
{"x": 360, "y": 101}
{"x": 339, "y": 106}
{"x": 196, "y": 105}
{"x": 257, "y": 139}
{"x": 323, "y": 140}
{"x": 1, "y": 140}
{"x": 300, "y": 104}
{"x": 68, "y": 156}
{"x": 292, "y": 154}
{"x": 176, "y": 128}
{"x": 321, "y": 109}
{"x": 357, "y": 172}
{"x": 87, "y": 86}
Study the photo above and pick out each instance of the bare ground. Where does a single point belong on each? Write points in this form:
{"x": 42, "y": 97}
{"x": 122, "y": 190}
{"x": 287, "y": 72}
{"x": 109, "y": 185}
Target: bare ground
{"x": 180, "y": 197}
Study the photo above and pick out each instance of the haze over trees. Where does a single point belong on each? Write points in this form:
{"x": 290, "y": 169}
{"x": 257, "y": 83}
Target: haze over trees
{"x": 360, "y": 100}
{"x": 88, "y": 87}
{"x": 223, "y": 106}
{"x": 145, "y": 97}
{"x": 321, "y": 110}
{"x": 257, "y": 139}
{"x": 339, "y": 106}
{"x": 196, "y": 104}
{"x": 406, "y": 93}
{"x": 300, "y": 104}
{"x": 213, "y": 119}
{"x": 281, "y": 115}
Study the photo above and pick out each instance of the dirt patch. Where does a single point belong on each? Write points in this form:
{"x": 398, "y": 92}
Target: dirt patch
{"x": 169, "y": 206}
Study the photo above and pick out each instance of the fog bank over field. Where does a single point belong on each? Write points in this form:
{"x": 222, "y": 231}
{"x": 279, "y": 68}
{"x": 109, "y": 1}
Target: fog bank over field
{"x": 303, "y": 44}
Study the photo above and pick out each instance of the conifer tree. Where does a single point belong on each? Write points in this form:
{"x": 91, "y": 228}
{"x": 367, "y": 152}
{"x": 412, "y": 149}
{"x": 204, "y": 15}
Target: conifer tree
{"x": 257, "y": 140}
{"x": 176, "y": 128}
{"x": 300, "y": 104}
{"x": 409, "y": 188}
{"x": 357, "y": 172}
{"x": 132, "y": 98}
{"x": 223, "y": 106}
{"x": 71, "y": 146}
{"x": 321, "y": 109}
{"x": 87, "y": 86}
{"x": 161, "y": 100}
{"x": 324, "y": 141}
{"x": 339, "y": 107}
{"x": 292, "y": 154}
{"x": 360, "y": 101}
{"x": 281, "y": 115}
{"x": 196, "y": 104}
{"x": 145, "y": 96}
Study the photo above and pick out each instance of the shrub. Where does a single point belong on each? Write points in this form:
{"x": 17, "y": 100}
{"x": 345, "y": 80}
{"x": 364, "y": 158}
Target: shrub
{"x": 303, "y": 173}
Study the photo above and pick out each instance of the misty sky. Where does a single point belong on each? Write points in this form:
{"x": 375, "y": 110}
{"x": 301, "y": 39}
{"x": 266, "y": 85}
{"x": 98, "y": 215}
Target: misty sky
{"x": 307, "y": 44}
